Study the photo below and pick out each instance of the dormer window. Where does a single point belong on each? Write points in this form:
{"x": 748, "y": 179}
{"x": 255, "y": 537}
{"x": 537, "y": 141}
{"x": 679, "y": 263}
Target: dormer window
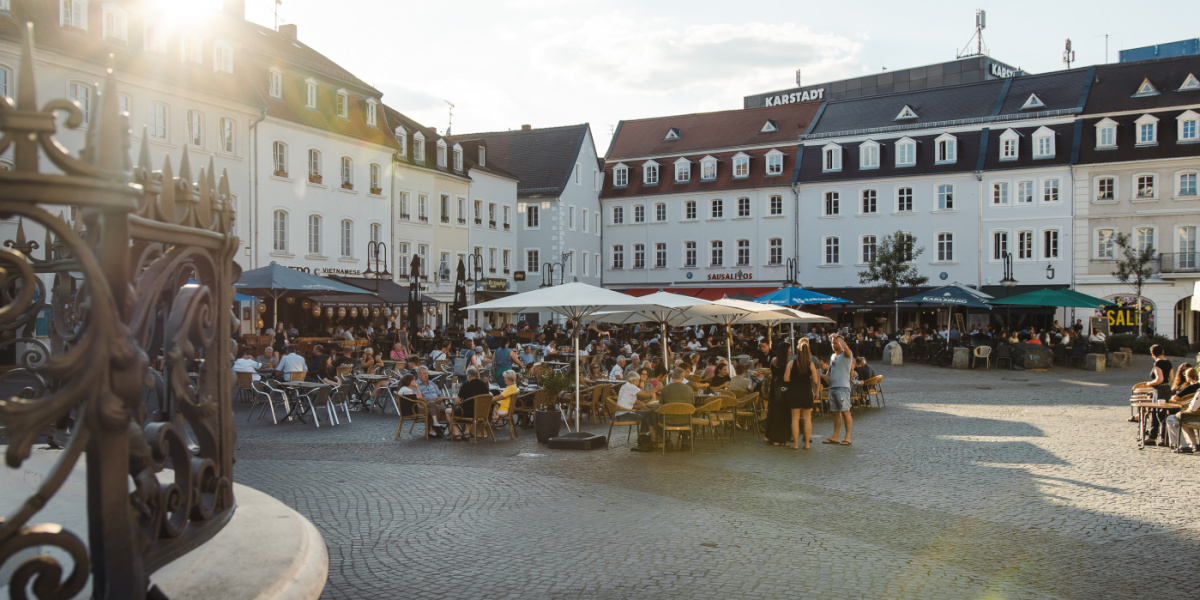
{"x": 708, "y": 168}
{"x": 906, "y": 113}
{"x": 482, "y": 155}
{"x": 741, "y": 165}
{"x": 222, "y": 57}
{"x": 73, "y": 13}
{"x": 419, "y": 147}
{"x": 1188, "y": 126}
{"x": 947, "y": 149}
{"x": 1033, "y": 102}
{"x": 906, "y": 152}
{"x": 868, "y": 155}
{"x": 441, "y": 153}
{"x": 1147, "y": 130}
{"x": 620, "y": 177}
{"x": 1106, "y": 133}
{"x": 831, "y": 158}
{"x": 683, "y": 170}
{"x": 343, "y": 103}
{"x": 774, "y": 162}
{"x": 402, "y": 139}
{"x": 310, "y": 98}
{"x": 672, "y": 134}
{"x": 192, "y": 49}
{"x": 152, "y": 39}
{"x": 1191, "y": 83}
{"x": 372, "y": 112}
{"x": 115, "y": 23}
{"x": 769, "y": 127}
{"x": 458, "y": 156}
{"x": 275, "y": 83}
{"x": 1043, "y": 143}
{"x": 1010, "y": 144}
{"x": 650, "y": 173}
{"x": 1146, "y": 89}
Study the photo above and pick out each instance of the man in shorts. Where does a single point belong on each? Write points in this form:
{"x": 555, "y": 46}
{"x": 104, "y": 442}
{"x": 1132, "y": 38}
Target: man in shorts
{"x": 840, "y": 367}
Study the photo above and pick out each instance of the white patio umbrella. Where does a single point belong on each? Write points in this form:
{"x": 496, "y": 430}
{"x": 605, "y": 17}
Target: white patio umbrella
{"x": 575, "y": 301}
{"x": 790, "y": 316}
{"x": 668, "y": 309}
{"x": 748, "y": 312}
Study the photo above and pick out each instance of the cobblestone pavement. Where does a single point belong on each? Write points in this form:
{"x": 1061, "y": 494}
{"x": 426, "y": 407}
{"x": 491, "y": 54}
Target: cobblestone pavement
{"x": 969, "y": 484}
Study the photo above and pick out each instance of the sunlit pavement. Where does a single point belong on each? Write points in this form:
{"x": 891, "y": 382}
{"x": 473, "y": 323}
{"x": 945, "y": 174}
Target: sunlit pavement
{"x": 969, "y": 484}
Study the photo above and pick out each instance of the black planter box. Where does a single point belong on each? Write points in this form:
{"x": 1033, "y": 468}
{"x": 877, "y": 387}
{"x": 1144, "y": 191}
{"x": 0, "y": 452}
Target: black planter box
{"x": 546, "y": 424}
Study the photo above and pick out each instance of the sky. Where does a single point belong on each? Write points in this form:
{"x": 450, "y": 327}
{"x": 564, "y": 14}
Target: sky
{"x": 505, "y": 63}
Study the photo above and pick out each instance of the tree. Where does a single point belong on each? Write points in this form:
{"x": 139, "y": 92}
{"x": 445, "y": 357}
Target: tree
{"x": 891, "y": 267}
{"x": 1135, "y": 266}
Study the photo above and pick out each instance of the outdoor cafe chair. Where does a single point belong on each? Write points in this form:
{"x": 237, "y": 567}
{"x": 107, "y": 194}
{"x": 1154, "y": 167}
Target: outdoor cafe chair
{"x": 344, "y": 370}
{"x": 508, "y": 421}
{"x": 412, "y": 409}
{"x": 725, "y": 414}
{"x": 265, "y": 395}
{"x": 747, "y": 409}
{"x": 1004, "y": 352}
{"x": 245, "y": 382}
{"x": 1078, "y": 353}
{"x": 481, "y": 417}
{"x": 321, "y": 396}
{"x": 621, "y": 418}
{"x": 873, "y": 388}
{"x": 706, "y": 417}
{"x": 681, "y": 409}
{"x": 297, "y": 375}
{"x": 521, "y": 411}
{"x": 342, "y": 395}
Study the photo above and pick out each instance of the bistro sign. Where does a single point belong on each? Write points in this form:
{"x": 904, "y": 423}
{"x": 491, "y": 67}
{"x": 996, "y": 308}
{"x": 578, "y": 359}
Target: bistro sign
{"x": 326, "y": 272}
{"x": 738, "y": 276}
{"x": 495, "y": 284}
{"x": 805, "y": 96}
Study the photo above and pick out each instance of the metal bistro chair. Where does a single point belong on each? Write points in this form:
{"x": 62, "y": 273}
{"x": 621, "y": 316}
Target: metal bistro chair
{"x": 683, "y": 410}
{"x": 321, "y": 396}
{"x": 265, "y": 395}
{"x": 1004, "y": 352}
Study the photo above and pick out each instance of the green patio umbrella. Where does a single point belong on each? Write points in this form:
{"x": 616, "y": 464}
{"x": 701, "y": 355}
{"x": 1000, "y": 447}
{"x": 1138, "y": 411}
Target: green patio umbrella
{"x": 1049, "y": 297}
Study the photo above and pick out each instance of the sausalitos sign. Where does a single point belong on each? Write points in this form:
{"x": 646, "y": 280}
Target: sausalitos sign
{"x": 738, "y": 276}
{"x": 804, "y": 96}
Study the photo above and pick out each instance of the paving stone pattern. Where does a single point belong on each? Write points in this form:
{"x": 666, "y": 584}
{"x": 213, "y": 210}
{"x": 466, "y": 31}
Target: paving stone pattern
{"x": 969, "y": 484}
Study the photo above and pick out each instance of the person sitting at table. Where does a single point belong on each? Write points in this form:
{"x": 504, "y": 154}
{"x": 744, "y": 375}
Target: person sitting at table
{"x": 592, "y": 374}
{"x": 862, "y": 370}
{"x": 1098, "y": 336}
{"x": 369, "y": 361}
{"x": 740, "y": 382}
{"x": 694, "y": 345}
{"x": 1159, "y": 382}
{"x": 525, "y": 357}
{"x": 505, "y": 398}
{"x": 291, "y": 362}
{"x": 618, "y": 371}
{"x": 630, "y": 400}
{"x": 442, "y": 353}
{"x": 245, "y": 364}
{"x": 268, "y": 359}
{"x": 345, "y": 358}
{"x": 464, "y": 406}
{"x": 399, "y": 352}
{"x": 410, "y": 391}
{"x": 506, "y": 358}
{"x": 720, "y": 379}
{"x": 411, "y": 364}
{"x": 1189, "y": 414}
{"x": 315, "y": 362}
{"x": 710, "y": 368}
{"x": 324, "y": 371}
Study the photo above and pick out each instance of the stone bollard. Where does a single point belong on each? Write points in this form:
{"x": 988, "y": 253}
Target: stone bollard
{"x": 893, "y": 354}
{"x": 1094, "y": 362}
{"x": 962, "y": 358}
{"x": 1118, "y": 360}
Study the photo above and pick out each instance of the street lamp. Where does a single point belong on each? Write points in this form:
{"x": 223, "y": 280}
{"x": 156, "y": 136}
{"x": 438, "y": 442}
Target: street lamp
{"x": 1009, "y": 282}
{"x": 548, "y": 271}
{"x": 792, "y": 275}
{"x": 377, "y": 259}
{"x": 474, "y": 266}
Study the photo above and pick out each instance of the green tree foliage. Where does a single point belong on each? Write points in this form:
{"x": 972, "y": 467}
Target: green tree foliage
{"x": 1135, "y": 266}
{"x": 892, "y": 267}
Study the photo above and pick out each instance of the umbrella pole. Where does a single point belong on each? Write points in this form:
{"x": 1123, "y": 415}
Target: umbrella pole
{"x": 729, "y": 345}
{"x": 663, "y": 343}
{"x": 577, "y": 326}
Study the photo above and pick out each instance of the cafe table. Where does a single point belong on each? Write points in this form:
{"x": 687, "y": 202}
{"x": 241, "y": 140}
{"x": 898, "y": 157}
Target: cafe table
{"x": 1144, "y": 409}
{"x": 297, "y": 409}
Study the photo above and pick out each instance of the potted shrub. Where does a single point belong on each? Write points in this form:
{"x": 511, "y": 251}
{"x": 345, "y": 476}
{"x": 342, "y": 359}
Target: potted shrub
{"x": 548, "y": 422}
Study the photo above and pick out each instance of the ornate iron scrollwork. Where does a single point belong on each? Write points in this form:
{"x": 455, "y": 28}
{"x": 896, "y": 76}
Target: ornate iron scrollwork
{"x": 135, "y": 288}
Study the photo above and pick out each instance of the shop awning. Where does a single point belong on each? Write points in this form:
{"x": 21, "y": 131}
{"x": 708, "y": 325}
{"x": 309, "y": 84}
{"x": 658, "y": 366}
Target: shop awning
{"x": 389, "y": 291}
{"x": 349, "y": 300}
{"x": 482, "y": 295}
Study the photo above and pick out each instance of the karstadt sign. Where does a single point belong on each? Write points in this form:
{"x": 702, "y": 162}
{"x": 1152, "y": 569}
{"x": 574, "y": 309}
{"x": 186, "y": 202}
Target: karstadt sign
{"x": 792, "y": 98}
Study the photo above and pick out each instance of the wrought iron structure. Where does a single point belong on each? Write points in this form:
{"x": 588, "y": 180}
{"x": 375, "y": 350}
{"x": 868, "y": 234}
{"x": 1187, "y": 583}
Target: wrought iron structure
{"x": 124, "y": 325}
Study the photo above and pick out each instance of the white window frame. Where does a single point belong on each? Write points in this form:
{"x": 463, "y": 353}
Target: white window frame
{"x": 342, "y": 104}
{"x": 279, "y": 158}
{"x": 692, "y": 207}
{"x": 650, "y": 173}
{"x": 1043, "y": 143}
{"x": 716, "y": 253}
{"x": 1143, "y": 125}
{"x": 743, "y": 253}
{"x": 944, "y": 241}
{"x": 744, "y": 210}
{"x": 347, "y": 238}
{"x": 831, "y": 158}
{"x": 690, "y": 255}
{"x": 1106, "y": 128}
{"x": 6, "y": 81}
{"x": 946, "y": 150}
{"x": 159, "y": 121}
{"x": 375, "y": 171}
{"x": 310, "y": 96}
{"x": 1102, "y": 248}
{"x": 584, "y": 219}
{"x": 347, "y": 172}
{"x": 314, "y": 235}
{"x": 868, "y": 241}
{"x": 533, "y": 259}
{"x": 227, "y": 129}
{"x": 620, "y": 176}
{"x": 76, "y": 16}
{"x": 222, "y": 57}
{"x": 741, "y": 165}
{"x": 423, "y": 208}
{"x": 774, "y": 163}
{"x": 1010, "y": 145}
{"x": 1026, "y": 241}
{"x": 275, "y": 83}
{"x": 1051, "y": 190}
{"x": 716, "y": 208}
{"x": 617, "y": 257}
{"x": 401, "y": 136}
{"x": 775, "y": 205}
{"x": 372, "y": 112}
{"x": 1025, "y": 192}
{"x": 1136, "y": 192}
{"x": 570, "y": 218}
{"x": 660, "y": 255}
{"x": 868, "y": 155}
{"x": 904, "y": 193}
{"x": 457, "y": 154}
{"x": 82, "y": 94}
{"x": 153, "y": 39}
{"x": 314, "y": 166}
{"x": 1096, "y": 185}
{"x": 1180, "y": 188}
{"x": 639, "y": 213}
{"x": 1145, "y": 236}
{"x": 195, "y": 128}
{"x": 533, "y": 217}
{"x": 775, "y": 252}
{"x": 639, "y": 256}
{"x": 1188, "y": 127}
{"x": 831, "y": 250}
{"x": 683, "y": 170}
{"x": 279, "y": 232}
{"x": 1000, "y": 195}
{"x": 115, "y": 23}
{"x": 870, "y": 195}
{"x": 945, "y": 197}
{"x": 376, "y": 232}
{"x": 708, "y": 169}
{"x": 906, "y": 152}
{"x": 617, "y": 215}
{"x": 831, "y": 203}
{"x": 419, "y": 147}
{"x": 999, "y": 241}
{"x": 441, "y": 153}
{"x": 660, "y": 213}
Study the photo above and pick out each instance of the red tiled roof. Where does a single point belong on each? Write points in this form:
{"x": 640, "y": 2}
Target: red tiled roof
{"x": 701, "y": 131}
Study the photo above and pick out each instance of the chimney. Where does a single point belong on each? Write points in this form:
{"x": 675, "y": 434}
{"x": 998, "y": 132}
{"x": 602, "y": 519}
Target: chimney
{"x": 234, "y": 8}
{"x": 288, "y": 30}
{"x": 526, "y": 127}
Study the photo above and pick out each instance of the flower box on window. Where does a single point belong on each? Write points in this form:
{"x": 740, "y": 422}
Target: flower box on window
{"x": 462, "y": 221}
{"x": 404, "y": 216}
{"x": 347, "y": 186}
{"x": 506, "y": 271}
{"x": 314, "y": 179}
{"x": 478, "y": 221}
{"x": 281, "y": 173}
{"x": 492, "y": 224}
{"x": 506, "y": 226}
{"x": 377, "y": 191}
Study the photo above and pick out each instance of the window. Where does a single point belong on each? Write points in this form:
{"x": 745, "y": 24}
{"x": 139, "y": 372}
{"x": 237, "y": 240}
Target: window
{"x": 458, "y": 156}
{"x": 404, "y": 259}
{"x": 314, "y": 235}
{"x": 870, "y": 202}
{"x": 1147, "y": 130}
{"x": 597, "y": 228}
{"x": 154, "y": 41}
{"x": 1106, "y": 188}
{"x": 532, "y": 260}
{"x": 868, "y": 155}
{"x": 314, "y": 166}
{"x": 441, "y": 153}
{"x": 275, "y": 85}
{"x": 660, "y": 256}
{"x": 741, "y": 165}
{"x": 904, "y": 199}
{"x": 718, "y": 209}
{"x": 1050, "y": 190}
{"x": 444, "y": 207}
{"x": 158, "y": 120}
{"x": 311, "y": 95}
{"x": 1024, "y": 192}
{"x": 869, "y": 247}
{"x": 717, "y": 257}
{"x": 1043, "y": 143}
{"x": 423, "y": 208}
{"x": 1187, "y": 185}
{"x": 376, "y": 232}
{"x": 279, "y": 233}
{"x": 1024, "y": 245}
{"x": 597, "y": 259}
{"x": 689, "y": 210}
{"x": 1106, "y": 133}
{"x": 1009, "y": 145}
{"x": 279, "y": 156}
{"x": 689, "y": 255}
{"x": 774, "y": 163}
{"x": 945, "y": 247}
{"x": 191, "y": 49}
{"x": 832, "y": 251}
{"x": 343, "y": 100}
{"x": 504, "y": 257}
{"x": 404, "y": 214}
{"x": 1187, "y": 247}
{"x": 114, "y": 22}
{"x": 618, "y": 215}
{"x": 708, "y": 169}
{"x": 621, "y": 176}
{"x": 660, "y": 213}
{"x": 585, "y": 219}
{"x": 492, "y": 260}
{"x": 776, "y": 207}
{"x": 831, "y": 158}
{"x": 906, "y": 153}
{"x": 618, "y": 257}
{"x": 999, "y": 244}
{"x": 833, "y": 204}
{"x": 74, "y": 14}
{"x": 347, "y": 173}
{"x": 227, "y": 135}
{"x": 683, "y": 170}
{"x": 492, "y": 216}
{"x": 1145, "y": 186}
{"x": 4, "y": 78}
{"x": 775, "y": 251}
{"x": 1144, "y": 237}
{"x": 195, "y": 128}
{"x": 222, "y": 58}
{"x": 945, "y": 197}
{"x": 650, "y": 173}
{"x": 423, "y": 258}
{"x": 532, "y": 215}
{"x": 1104, "y": 244}
{"x": 906, "y": 242}
{"x": 372, "y": 112}
{"x": 947, "y": 149}
{"x": 743, "y": 207}
{"x": 418, "y": 147}
{"x": 639, "y": 256}
{"x": 639, "y": 214}
{"x": 376, "y": 187}
{"x": 462, "y": 210}
{"x": 1188, "y": 126}
{"x": 402, "y": 139}
{"x": 1000, "y": 193}
{"x": 82, "y": 94}
{"x": 347, "y": 238}
{"x": 743, "y": 253}
{"x": 125, "y": 102}
{"x": 578, "y": 177}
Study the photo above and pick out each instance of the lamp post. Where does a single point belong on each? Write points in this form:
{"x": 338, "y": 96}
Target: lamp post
{"x": 792, "y": 275}
{"x": 377, "y": 259}
{"x": 548, "y": 271}
{"x": 1009, "y": 282}
{"x": 474, "y": 276}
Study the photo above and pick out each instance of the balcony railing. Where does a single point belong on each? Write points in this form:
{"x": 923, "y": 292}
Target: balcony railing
{"x": 137, "y": 289}
{"x": 1179, "y": 262}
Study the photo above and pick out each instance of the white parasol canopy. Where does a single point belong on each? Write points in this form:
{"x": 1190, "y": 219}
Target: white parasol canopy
{"x": 668, "y": 310}
{"x": 746, "y": 312}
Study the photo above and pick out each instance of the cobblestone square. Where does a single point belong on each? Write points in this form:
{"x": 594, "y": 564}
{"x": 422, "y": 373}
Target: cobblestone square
{"x": 969, "y": 484}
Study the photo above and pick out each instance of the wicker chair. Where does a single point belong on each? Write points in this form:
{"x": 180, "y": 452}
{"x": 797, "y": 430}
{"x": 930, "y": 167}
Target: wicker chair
{"x": 481, "y": 417}
{"x": 297, "y": 375}
{"x": 412, "y": 409}
{"x": 874, "y": 389}
{"x": 245, "y": 382}
{"x": 706, "y": 417}
{"x": 748, "y": 409}
{"x": 620, "y": 418}
{"x": 681, "y": 409}
{"x": 725, "y": 415}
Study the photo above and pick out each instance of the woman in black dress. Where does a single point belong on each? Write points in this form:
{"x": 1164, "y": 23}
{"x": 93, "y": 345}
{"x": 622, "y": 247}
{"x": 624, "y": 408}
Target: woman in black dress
{"x": 798, "y": 379}
{"x": 778, "y": 409}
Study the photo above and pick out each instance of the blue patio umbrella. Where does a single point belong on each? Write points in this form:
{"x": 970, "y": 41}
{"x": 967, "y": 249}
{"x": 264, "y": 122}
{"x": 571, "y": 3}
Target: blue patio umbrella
{"x": 237, "y": 296}
{"x": 951, "y": 296}
{"x": 794, "y": 296}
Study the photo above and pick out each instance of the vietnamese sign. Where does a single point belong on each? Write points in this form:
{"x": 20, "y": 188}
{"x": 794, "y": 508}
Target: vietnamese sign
{"x": 319, "y": 271}
{"x": 738, "y": 276}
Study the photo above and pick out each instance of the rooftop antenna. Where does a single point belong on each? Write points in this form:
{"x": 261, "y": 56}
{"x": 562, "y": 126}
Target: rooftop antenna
{"x": 277, "y": 3}
{"x": 977, "y": 37}
{"x": 1068, "y": 54}
{"x": 450, "y": 124}
{"x": 797, "y": 77}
